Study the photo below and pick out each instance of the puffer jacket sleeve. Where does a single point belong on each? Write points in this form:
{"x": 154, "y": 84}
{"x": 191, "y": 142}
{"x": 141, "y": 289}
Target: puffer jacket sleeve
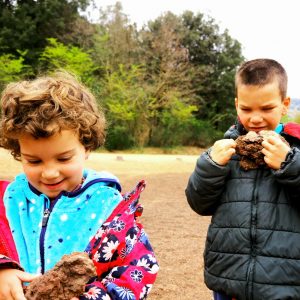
{"x": 206, "y": 185}
{"x": 289, "y": 174}
{"x": 124, "y": 259}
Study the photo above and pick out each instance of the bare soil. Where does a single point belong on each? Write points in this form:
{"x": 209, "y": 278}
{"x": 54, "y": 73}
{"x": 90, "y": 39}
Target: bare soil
{"x": 177, "y": 234}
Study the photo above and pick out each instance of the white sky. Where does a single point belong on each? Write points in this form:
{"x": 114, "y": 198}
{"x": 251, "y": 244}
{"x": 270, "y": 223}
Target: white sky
{"x": 265, "y": 28}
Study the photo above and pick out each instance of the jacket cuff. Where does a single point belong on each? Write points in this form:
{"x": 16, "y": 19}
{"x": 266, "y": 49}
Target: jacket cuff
{"x": 290, "y": 167}
{"x": 8, "y": 263}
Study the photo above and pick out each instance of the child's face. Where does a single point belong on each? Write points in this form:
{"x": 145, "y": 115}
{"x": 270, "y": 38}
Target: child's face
{"x": 260, "y": 107}
{"x": 53, "y": 164}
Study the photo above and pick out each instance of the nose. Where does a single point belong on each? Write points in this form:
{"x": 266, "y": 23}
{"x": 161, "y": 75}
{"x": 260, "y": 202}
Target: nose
{"x": 50, "y": 172}
{"x": 255, "y": 119}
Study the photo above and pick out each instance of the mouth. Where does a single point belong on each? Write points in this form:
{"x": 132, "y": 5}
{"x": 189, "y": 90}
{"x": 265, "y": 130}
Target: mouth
{"x": 53, "y": 186}
{"x": 257, "y": 129}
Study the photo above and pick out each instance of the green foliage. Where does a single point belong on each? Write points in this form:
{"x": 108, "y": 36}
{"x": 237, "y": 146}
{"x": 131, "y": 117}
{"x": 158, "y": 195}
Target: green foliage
{"x": 117, "y": 42}
{"x": 58, "y": 56}
{"x": 180, "y": 127}
{"x": 169, "y": 84}
{"x": 174, "y": 125}
{"x": 27, "y": 24}
{"x": 12, "y": 69}
{"x": 126, "y": 105}
{"x": 217, "y": 56}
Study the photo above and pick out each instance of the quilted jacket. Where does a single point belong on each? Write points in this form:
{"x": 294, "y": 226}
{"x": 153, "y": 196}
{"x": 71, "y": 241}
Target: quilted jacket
{"x": 124, "y": 259}
{"x": 253, "y": 243}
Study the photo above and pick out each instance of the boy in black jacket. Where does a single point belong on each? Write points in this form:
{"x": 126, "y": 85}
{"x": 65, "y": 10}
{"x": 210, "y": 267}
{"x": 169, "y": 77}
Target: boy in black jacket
{"x": 253, "y": 242}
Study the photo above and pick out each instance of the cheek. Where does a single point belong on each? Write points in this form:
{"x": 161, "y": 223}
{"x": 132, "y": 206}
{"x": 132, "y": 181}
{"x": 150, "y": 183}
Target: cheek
{"x": 73, "y": 169}
{"x": 241, "y": 116}
{"x": 31, "y": 173}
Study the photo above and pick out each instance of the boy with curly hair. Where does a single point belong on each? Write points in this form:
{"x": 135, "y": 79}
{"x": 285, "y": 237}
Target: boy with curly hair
{"x": 56, "y": 206}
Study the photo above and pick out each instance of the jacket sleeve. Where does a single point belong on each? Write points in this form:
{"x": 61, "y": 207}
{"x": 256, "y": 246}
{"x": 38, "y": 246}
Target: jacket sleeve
{"x": 206, "y": 185}
{"x": 8, "y": 263}
{"x": 8, "y": 253}
{"x": 124, "y": 259}
{"x": 289, "y": 174}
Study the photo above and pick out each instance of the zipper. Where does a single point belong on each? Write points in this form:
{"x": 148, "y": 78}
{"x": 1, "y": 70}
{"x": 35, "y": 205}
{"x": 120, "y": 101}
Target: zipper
{"x": 253, "y": 226}
{"x": 46, "y": 216}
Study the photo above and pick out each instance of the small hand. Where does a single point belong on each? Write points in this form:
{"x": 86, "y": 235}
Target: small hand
{"x": 222, "y": 151}
{"x": 11, "y": 284}
{"x": 275, "y": 151}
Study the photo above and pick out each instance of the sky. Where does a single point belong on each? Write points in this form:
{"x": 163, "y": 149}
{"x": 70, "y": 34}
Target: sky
{"x": 265, "y": 28}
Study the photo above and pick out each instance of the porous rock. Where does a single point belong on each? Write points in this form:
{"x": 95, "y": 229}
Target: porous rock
{"x": 65, "y": 280}
{"x": 249, "y": 148}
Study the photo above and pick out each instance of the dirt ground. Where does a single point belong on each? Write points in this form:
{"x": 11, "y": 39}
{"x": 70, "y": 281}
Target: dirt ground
{"x": 177, "y": 234}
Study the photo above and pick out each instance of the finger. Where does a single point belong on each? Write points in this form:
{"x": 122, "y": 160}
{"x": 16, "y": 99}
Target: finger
{"x": 26, "y": 277}
{"x": 265, "y": 149}
{"x": 230, "y": 144}
{"x": 231, "y": 151}
{"x": 267, "y": 160}
{"x": 233, "y": 142}
{"x": 266, "y": 152}
{"x": 267, "y": 145}
{"x": 274, "y": 140}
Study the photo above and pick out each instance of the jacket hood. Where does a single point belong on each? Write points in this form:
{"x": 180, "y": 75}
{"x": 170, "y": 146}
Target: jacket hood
{"x": 235, "y": 131}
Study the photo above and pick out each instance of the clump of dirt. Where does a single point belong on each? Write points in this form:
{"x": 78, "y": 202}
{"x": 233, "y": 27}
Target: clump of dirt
{"x": 67, "y": 279}
{"x": 249, "y": 148}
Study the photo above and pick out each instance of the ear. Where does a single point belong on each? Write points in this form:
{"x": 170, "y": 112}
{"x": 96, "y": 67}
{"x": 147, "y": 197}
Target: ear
{"x": 236, "y": 103}
{"x": 286, "y": 105}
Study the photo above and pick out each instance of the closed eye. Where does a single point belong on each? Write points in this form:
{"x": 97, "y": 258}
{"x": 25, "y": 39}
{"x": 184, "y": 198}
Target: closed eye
{"x": 34, "y": 162}
{"x": 63, "y": 159}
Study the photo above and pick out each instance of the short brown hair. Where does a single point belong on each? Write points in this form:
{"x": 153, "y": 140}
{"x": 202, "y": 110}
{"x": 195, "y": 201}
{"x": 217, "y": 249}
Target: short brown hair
{"x": 260, "y": 72}
{"x": 47, "y": 105}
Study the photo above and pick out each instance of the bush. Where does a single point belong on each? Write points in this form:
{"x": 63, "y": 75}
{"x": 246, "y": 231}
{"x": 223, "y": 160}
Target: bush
{"x": 12, "y": 69}
{"x": 118, "y": 138}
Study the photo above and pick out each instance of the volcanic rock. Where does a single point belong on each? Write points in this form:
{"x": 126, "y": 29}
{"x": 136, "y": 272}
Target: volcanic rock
{"x": 249, "y": 148}
{"x": 67, "y": 279}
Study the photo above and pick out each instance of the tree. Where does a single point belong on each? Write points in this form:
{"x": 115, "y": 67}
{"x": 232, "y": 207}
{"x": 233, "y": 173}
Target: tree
{"x": 70, "y": 58}
{"x": 169, "y": 77}
{"x": 217, "y": 55}
{"x": 26, "y": 25}
{"x": 126, "y": 103}
{"x": 12, "y": 69}
{"x": 117, "y": 42}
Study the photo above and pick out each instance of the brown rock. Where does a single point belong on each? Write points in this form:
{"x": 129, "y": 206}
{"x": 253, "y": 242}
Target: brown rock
{"x": 249, "y": 148}
{"x": 65, "y": 280}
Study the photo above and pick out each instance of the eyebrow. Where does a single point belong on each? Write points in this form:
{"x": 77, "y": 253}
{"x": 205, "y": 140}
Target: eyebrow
{"x": 59, "y": 154}
{"x": 263, "y": 106}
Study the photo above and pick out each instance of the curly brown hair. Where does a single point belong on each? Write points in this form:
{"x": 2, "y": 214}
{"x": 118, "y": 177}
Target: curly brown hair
{"x": 46, "y": 105}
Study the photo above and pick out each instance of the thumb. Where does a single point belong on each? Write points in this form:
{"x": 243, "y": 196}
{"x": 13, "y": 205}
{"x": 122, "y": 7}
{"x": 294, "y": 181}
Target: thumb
{"x": 27, "y": 277}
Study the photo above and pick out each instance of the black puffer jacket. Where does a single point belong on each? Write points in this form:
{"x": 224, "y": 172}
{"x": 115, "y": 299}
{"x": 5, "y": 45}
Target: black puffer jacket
{"x": 253, "y": 243}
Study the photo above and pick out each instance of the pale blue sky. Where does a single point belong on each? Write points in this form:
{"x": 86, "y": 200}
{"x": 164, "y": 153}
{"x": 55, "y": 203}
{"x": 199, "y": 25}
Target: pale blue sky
{"x": 266, "y": 28}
